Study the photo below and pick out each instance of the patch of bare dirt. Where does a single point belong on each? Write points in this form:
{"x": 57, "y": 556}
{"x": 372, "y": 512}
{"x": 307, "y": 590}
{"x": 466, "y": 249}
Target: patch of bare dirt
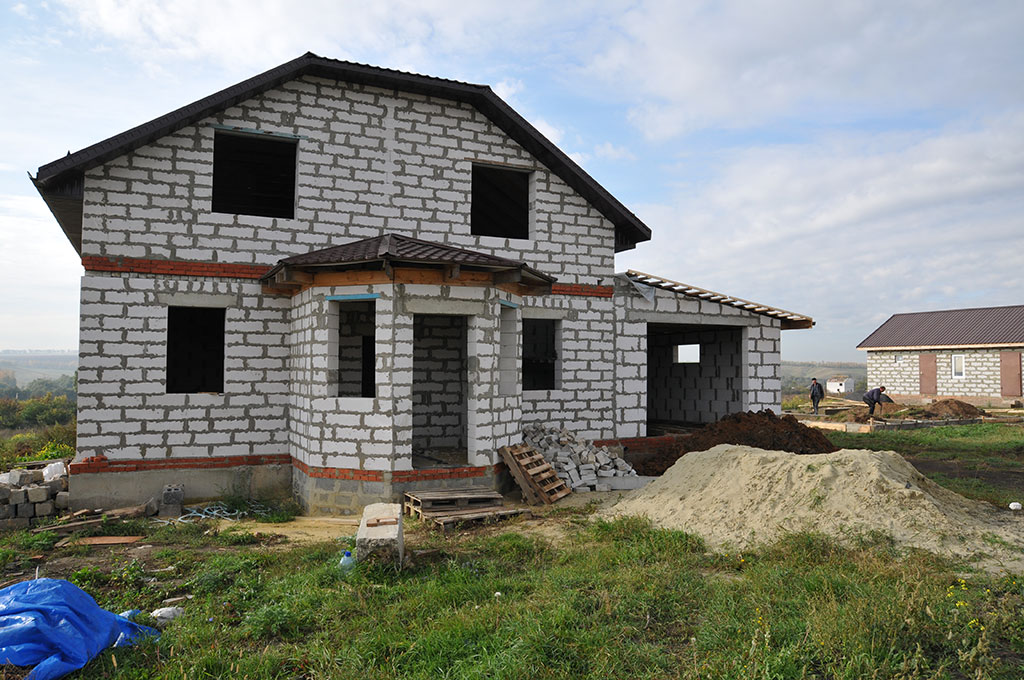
{"x": 761, "y": 429}
{"x": 952, "y": 408}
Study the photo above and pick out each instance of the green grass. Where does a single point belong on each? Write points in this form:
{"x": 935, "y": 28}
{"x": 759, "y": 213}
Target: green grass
{"x": 616, "y": 600}
{"x": 949, "y": 442}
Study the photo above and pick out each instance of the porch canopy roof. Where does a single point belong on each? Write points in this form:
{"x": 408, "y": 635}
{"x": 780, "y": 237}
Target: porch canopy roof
{"x": 388, "y": 251}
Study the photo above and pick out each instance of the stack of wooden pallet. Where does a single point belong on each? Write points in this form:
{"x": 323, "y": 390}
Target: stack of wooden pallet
{"x": 452, "y": 506}
{"x": 534, "y": 475}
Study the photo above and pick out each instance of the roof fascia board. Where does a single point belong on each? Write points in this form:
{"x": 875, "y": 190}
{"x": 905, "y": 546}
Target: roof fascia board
{"x": 940, "y": 347}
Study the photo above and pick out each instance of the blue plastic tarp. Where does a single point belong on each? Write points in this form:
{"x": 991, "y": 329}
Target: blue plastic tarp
{"x": 57, "y": 627}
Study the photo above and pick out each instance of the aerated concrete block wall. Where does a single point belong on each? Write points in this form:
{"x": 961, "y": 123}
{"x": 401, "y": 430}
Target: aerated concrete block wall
{"x": 368, "y": 161}
{"x": 899, "y": 371}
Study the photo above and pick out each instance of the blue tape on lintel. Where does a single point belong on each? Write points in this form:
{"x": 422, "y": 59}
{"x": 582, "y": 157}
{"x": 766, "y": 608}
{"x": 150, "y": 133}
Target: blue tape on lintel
{"x": 353, "y": 296}
{"x": 506, "y": 303}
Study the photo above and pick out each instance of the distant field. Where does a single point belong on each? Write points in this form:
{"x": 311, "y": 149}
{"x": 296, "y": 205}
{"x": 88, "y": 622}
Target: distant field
{"x": 796, "y": 375}
{"x": 30, "y": 366}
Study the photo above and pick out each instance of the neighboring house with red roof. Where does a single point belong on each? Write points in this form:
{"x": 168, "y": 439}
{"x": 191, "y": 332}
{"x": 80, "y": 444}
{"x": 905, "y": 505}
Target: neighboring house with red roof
{"x": 349, "y": 281}
{"x": 971, "y": 354}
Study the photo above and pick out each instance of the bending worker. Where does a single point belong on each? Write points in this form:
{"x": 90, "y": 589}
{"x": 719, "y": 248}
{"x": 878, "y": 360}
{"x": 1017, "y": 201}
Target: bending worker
{"x": 817, "y": 394}
{"x": 872, "y": 397}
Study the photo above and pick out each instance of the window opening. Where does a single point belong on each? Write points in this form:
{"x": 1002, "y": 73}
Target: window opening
{"x": 686, "y": 354}
{"x": 508, "y": 359}
{"x": 253, "y": 175}
{"x": 357, "y": 349}
{"x": 501, "y": 202}
{"x": 540, "y": 354}
{"x": 958, "y": 365}
{"x": 195, "y": 349}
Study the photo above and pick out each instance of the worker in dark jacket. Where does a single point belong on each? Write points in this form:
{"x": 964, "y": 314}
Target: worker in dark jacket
{"x": 817, "y": 394}
{"x": 872, "y": 397}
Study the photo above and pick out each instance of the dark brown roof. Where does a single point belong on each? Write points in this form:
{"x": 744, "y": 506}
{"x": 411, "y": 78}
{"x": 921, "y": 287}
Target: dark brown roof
{"x": 951, "y": 327}
{"x": 60, "y": 182}
{"x": 397, "y": 249}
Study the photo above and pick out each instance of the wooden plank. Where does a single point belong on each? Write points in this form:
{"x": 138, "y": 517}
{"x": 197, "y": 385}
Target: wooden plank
{"x": 98, "y": 540}
{"x": 70, "y": 526}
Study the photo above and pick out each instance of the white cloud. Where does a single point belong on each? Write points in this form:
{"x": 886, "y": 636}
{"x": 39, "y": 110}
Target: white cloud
{"x": 548, "y": 130}
{"x": 851, "y": 230}
{"x": 689, "y": 66}
{"x": 21, "y": 9}
{"x": 508, "y": 88}
{"x": 612, "y": 152}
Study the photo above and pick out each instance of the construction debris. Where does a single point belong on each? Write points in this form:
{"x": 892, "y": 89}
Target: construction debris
{"x": 29, "y": 494}
{"x": 534, "y": 475}
{"x": 580, "y": 464}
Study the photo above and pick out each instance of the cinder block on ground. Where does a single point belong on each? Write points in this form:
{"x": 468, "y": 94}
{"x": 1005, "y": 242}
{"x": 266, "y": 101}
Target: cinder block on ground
{"x": 627, "y": 483}
{"x": 6, "y": 511}
{"x": 21, "y": 478}
{"x": 5, "y": 493}
{"x": 171, "y": 500}
{"x": 44, "y": 509}
{"x": 25, "y": 510}
{"x": 380, "y": 533}
{"x": 18, "y": 496}
{"x": 38, "y": 494}
{"x": 61, "y": 500}
{"x": 16, "y": 523}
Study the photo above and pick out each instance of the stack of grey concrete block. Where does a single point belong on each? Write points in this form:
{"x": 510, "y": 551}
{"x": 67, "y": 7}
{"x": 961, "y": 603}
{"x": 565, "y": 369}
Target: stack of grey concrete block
{"x": 26, "y": 495}
{"x": 580, "y": 464}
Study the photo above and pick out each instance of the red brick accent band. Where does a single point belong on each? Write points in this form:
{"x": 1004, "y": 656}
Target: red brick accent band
{"x": 582, "y": 289}
{"x": 399, "y": 476}
{"x": 661, "y": 444}
{"x": 95, "y": 263}
{"x": 103, "y": 464}
{"x": 339, "y": 473}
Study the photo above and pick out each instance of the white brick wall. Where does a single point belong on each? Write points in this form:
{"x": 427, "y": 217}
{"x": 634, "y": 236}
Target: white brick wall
{"x": 899, "y": 371}
{"x": 369, "y": 161}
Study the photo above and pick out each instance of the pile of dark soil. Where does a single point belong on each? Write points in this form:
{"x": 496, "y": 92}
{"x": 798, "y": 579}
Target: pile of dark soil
{"x": 952, "y": 408}
{"x": 762, "y": 429}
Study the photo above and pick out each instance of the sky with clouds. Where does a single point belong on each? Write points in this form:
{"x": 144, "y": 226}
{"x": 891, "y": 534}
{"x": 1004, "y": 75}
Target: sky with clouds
{"x": 844, "y": 160}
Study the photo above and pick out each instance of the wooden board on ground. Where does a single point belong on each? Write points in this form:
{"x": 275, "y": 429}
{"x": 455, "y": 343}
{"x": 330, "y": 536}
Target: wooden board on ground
{"x": 98, "y": 540}
{"x": 448, "y": 520}
{"x": 70, "y": 526}
{"x": 423, "y": 503}
{"x": 533, "y": 474}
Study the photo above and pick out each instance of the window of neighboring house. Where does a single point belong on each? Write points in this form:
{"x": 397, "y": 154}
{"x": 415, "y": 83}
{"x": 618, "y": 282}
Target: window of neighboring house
{"x": 357, "y": 349}
{"x": 540, "y": 354}
{"x": 958, "y": 365}
{"x": 195, "y": 349}
{"x": 500, "y": 203}
{"x": 686, "y": 354}
{"x": 897, "y": 359}
{"x": 253, "y": 175}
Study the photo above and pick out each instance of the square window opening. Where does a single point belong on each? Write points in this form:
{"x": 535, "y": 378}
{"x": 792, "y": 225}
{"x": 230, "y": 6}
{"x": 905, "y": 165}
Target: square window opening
{"x": 686, "y": 354}
{"x": 500, "y": 203}
{"x": 541, "y": 365}
{"x": 357, "y": 349}
{"x": 195, "y": 349}
{"x": 957, "y": 365}
{"x": 254, "y": 175}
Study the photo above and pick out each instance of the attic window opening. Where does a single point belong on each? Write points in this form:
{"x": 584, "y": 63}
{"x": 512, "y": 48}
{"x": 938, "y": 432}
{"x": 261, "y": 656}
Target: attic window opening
{"x": 500, "y": 203}
{"x": 254, "y": 175}
{"x": 195, "y": 349}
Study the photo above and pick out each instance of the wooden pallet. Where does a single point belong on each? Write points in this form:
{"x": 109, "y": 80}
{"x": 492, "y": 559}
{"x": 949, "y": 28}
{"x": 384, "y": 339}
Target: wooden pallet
{"x": 424, "y": 503}
{"x": 533, "y": 474}
{"x": 447, "y": 521}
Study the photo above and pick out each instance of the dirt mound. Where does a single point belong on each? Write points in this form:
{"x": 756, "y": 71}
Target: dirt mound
{"x": 952, "y": 408}
{"x": 738, "y": 496}
{"x": 761, "y": 429}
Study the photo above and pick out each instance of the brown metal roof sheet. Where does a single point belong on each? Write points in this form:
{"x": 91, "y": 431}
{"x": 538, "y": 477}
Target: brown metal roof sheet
{"x": 951, "y": 327}
{"x": 790, "y": 320}
{"x": 53, "y": 178}
{"x": 403, "y": 249}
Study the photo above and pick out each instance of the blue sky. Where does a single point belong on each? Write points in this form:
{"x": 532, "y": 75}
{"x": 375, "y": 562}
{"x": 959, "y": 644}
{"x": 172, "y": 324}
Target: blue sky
{"x": 844, "y": 160}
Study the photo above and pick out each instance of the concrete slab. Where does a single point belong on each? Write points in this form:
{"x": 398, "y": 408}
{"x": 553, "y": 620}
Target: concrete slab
{"x": 627, "y": 483}
{"x": 380, "y": 533}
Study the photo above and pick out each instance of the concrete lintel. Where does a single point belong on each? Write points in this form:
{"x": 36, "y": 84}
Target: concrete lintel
{"x": 446, "y": 306}
{"x": 199, "y": 299}
{"x": 687, "y": 318}
{"x": 542, "y": 313}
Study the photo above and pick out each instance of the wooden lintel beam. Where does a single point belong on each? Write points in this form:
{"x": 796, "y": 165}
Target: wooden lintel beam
{"x": 509, "y": 276}
{"x": 452, "y": 271}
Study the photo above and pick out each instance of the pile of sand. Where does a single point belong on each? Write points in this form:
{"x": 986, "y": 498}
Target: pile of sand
{"x": 739, "y": 496}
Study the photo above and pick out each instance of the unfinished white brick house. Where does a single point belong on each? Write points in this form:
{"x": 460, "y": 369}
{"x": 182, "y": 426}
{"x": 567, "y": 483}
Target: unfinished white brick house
{"x": 350, "y": 281}
{"x": 971, "y": 354}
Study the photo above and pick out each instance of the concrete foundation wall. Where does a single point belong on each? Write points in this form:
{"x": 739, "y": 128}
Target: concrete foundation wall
{"x": 120, "y": 489}
{"x": 368, "y": 161}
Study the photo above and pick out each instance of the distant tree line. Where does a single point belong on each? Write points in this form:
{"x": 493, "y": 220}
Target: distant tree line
{"x": 64, "y": 386}
{"x": 45, "y": 410}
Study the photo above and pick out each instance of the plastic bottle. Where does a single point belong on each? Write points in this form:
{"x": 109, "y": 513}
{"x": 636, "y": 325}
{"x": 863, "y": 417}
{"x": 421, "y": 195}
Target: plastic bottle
{"x": 347, "y": 562}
